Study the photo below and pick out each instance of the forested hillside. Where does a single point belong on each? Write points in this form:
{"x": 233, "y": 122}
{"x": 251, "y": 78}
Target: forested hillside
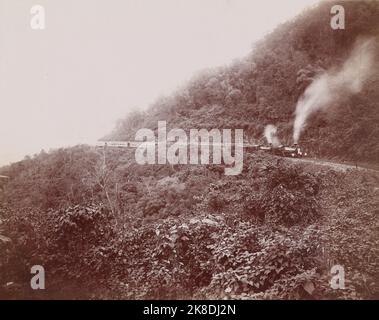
{"x": 105, "y": 227}
{"x": 263, "y": 88}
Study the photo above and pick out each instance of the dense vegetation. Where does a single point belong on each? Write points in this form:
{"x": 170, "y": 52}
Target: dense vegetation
{"x": 272, "y": 233}
{"x": 106, "y": 227}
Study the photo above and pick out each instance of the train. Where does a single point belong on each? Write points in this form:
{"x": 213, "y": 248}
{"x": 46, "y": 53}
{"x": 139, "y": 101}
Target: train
{"x": 293, "y": 151}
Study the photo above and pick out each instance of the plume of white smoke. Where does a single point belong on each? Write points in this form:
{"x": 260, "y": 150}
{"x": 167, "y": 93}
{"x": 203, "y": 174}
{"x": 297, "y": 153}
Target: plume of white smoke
{"x": 270, "y": 134}
{"x": 327, "y": 87}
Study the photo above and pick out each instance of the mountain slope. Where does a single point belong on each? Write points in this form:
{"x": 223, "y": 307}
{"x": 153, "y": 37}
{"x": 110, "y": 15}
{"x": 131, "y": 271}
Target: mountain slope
{"x": 264, "y": 87}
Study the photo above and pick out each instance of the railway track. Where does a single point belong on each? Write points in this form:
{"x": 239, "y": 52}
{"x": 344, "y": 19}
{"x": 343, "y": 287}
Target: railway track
{"x": 334, "y": 165}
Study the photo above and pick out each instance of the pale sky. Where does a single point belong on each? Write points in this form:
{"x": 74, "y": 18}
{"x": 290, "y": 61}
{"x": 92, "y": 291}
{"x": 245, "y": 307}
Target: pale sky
{"x": 98, "y": 59}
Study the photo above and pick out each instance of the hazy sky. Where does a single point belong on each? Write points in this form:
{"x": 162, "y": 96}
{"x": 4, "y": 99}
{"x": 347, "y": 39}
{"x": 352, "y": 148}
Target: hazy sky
{"x": 97, "y": 59}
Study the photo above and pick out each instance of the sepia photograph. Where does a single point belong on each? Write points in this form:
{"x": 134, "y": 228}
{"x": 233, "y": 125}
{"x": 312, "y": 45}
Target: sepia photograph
{"x": 207, "y": 151}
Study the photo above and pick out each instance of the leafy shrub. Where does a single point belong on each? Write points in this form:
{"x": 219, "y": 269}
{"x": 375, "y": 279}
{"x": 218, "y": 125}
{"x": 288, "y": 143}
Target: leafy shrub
{"x": 284, "y": 195}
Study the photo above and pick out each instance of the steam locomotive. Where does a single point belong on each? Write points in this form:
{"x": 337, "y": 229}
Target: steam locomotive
{"x": 282, "y": 151}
